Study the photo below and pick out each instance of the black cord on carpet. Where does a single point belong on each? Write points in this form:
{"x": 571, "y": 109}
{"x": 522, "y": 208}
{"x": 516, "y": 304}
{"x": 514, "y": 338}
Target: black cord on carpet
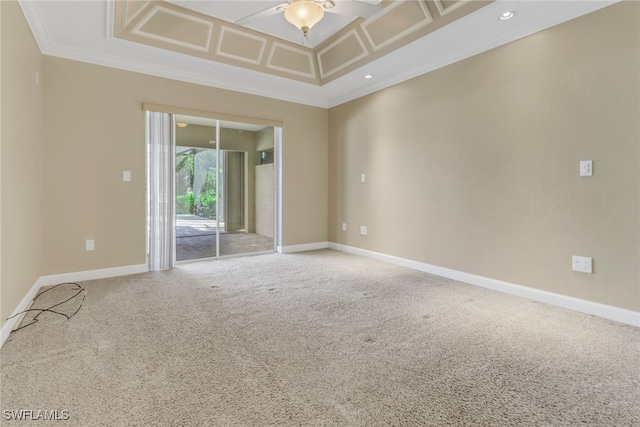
{"x": 76, "y": 287}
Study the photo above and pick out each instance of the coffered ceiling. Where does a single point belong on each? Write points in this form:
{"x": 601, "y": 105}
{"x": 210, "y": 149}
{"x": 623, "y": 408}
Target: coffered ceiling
{"x": 252, "y": 15}
{"x": 200, "y": 41}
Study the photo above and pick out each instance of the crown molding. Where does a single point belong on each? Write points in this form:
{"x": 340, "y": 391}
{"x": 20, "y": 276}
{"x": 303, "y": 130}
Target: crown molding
{"x": 173, "y": 73}
{"x": 465, "y": 37}
{"x": 457, "y": 45}
{"x": 34, "y": 18}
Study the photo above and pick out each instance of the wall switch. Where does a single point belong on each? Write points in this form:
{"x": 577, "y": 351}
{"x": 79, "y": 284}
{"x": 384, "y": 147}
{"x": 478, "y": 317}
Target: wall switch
{"x": 363, "y": 230}
{"x": 586, "y": 168}
{"x": 126, "y": 175}
{"x": 581, "y": 264}
{"x": 344, "y": 226}
{"x": 363, "y": 178}
{"x": 89, "y": 245}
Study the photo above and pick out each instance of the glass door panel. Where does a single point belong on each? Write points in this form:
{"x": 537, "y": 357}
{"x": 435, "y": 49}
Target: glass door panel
{"x": 196, "y": 225}
{"x": 247, "y": 188}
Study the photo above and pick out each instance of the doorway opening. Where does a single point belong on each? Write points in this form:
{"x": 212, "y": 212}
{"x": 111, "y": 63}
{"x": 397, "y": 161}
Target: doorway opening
{"x": 225, "y": 188}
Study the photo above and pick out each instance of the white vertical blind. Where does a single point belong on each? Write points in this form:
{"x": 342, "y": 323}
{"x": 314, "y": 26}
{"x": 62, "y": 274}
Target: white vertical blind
{"x": 160, "y": 190}
{"x": 219, "y": 200}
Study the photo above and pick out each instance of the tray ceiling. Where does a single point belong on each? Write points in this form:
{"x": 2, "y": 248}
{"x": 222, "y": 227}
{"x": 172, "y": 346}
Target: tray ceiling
{"x": 197, "y": 41}
{"x": 168, "y": 25}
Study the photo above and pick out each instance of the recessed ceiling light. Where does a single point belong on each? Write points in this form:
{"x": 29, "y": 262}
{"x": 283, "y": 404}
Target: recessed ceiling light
{"x": 506, "y": 15}
{"x": 368, "y": 76}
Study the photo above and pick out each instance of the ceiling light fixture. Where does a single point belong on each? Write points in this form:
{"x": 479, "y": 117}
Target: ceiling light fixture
{"x": 506, "y": 15}
{"x": 368, "y": 76}
{"x": 181, "y": 125}
{"x": 304, "y": 14}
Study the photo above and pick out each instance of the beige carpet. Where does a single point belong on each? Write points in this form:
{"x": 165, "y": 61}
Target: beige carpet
{"x": 319, "y": 338}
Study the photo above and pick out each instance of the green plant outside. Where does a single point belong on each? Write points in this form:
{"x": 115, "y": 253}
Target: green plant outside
{"x": 203, "y": 203}
{"x": 185, "y": 203}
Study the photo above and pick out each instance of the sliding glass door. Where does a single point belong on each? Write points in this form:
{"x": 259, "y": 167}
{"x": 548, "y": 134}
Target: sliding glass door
{"x": 224, "y": 188}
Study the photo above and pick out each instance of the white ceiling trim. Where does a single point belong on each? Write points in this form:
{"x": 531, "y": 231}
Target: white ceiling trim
{"x": 428, "y": 20}
{"x": 130, "y": 18}
{"x": 35, "y": 20}
{"x": 244, "y": 83}
{"x": 110, "y": 17}
{"x": 278, "y": 45}
{"x": 137, "y": 29}
{"x": 462, "y": 39}
{"x": 226, "y": 29}
{"x": 443, "y": 10}
{"x": 235, "y": 78}
{"x": 350, "y": 33}
{"x": 471, "y": 35}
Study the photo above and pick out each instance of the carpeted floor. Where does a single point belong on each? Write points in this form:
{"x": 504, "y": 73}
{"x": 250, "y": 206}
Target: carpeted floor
{"x": 318, "y": 338}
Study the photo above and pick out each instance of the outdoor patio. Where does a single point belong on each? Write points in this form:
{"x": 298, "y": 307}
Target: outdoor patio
{"x": 196, "y": 238}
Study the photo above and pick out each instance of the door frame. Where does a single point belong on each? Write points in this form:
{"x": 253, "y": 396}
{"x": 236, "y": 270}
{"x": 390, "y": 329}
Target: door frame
{"x": 277, "y": 186}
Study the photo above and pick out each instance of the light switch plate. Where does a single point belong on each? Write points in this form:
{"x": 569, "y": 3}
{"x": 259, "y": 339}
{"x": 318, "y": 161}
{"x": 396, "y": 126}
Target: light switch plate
{"x": 126, "y": 176}
{"x": 363, "y": 178}
{"x": 586, "y": 168}
{"x": 363, "y": 230}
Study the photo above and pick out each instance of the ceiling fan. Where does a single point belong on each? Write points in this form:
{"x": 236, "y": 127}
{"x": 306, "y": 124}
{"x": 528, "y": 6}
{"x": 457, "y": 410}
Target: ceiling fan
{"x": 304, "y": 14}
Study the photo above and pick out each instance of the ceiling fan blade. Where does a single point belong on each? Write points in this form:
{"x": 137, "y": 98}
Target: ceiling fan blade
{"x": 247, "y": 20}
{"x": 355, "y": 8}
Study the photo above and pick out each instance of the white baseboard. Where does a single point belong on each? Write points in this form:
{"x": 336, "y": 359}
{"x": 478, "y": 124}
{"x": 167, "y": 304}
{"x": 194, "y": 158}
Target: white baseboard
{"x": 302, "y": 248}
{"x": 616, "y": 314}
{"x": 103, "y": 273}
{"x": 55, "y": 279}
{"x": 13, "y": 321}
{"x": 588, "y": 307}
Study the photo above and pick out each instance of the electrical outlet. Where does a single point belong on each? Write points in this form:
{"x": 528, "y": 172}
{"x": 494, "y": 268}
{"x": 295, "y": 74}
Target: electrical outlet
{"x": 344, "y": 226}
{"x": 89, "y": 245}
{"x": 581, "y": 264}
{"x": 363, "y": 230}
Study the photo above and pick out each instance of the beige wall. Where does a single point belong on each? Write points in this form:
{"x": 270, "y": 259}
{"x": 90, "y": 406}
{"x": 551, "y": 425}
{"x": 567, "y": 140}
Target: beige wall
{"x": 474, "y": 167}
{"x": 264, "y": 199}
{"x": 264, "y": 182}
{"x": 20, "y": 160}
{"x": 264, "y": 140}
{"x": 94, "y": 128}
